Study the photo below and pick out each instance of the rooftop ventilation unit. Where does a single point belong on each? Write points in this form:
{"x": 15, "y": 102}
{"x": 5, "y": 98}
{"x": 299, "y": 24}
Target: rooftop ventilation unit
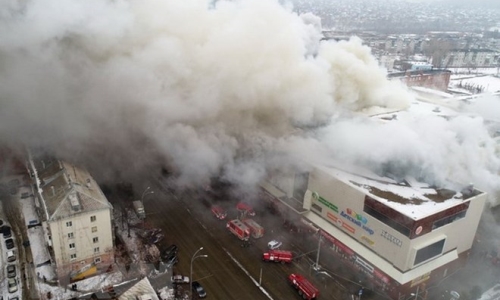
{"x": 73, "y": 199}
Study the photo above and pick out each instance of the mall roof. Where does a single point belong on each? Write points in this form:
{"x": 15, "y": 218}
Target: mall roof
{"x": 407, "y": 195}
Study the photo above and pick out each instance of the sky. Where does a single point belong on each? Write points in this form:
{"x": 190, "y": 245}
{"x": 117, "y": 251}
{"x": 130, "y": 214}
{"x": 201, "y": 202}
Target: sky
{"x": 230, "y": 88}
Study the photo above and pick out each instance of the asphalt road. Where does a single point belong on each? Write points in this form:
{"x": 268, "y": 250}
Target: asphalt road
{"x": 187, "y": 222}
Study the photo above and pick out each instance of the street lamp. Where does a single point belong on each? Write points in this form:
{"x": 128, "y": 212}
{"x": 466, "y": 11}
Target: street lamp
{"x": 146, "y": 192}
{"x": 191, "y": 271}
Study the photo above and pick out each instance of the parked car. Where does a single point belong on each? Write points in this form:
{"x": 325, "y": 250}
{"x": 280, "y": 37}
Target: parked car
{"x": 219, "y": 212}
{"x": 11, "y": 271}
{"x": 11, "y": 256}
{"x": 180, "y": 279}
{"x": 199, "y": 290}
{"x": 7, "y": 232}
{"x": 12, "y": 285}
{"x": 9, "y": 243}
{"x": 274, "y": 244}
{"x": 171, "y": 260}
{"x": 169, "y": 251}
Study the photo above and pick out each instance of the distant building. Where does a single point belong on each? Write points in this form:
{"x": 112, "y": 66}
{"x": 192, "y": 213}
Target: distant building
{"x": 430, "y": 78}
{"x": 77, "y": 218}
{"x": 401, "y": 235}
{"x": 471, "y": 58}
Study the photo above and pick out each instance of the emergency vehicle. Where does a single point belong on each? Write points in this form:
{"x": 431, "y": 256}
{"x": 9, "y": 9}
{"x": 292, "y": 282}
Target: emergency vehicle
{"x": 305, "y": 288}
{"x": 256, "y": 230}
{"x": 278, "y": 256}
{"x": 219, "y": 212}
{"x": 239, "y": 229}
{"x": 245, "y": 208}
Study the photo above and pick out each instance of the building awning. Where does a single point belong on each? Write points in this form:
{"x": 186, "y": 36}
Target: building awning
{"x": 377, "y": 261}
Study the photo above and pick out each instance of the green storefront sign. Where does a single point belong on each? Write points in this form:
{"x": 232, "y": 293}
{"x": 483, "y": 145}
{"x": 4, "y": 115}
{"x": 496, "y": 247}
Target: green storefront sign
{"x": 325, "y": 202}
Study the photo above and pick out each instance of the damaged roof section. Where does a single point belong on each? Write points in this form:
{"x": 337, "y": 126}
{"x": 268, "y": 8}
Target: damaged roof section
{"x": 410, "y": 197}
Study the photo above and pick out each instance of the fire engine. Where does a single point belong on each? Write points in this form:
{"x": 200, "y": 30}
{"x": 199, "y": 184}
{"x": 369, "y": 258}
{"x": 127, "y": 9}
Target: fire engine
{"x": 219, "y": 212}
{"x": 306, "y": 289}
{"x": 256, "y": 230}
{"x": 239, "y": 229}
{"x": 245, "y": 208}
{"x": 278, "y": 256}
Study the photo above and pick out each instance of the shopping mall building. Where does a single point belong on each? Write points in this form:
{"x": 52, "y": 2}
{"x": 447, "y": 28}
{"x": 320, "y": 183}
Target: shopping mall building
{"x": 405, "y": 235}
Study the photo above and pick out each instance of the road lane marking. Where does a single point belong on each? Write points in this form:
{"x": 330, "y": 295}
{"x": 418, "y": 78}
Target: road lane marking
{"x": 248, "y": 274}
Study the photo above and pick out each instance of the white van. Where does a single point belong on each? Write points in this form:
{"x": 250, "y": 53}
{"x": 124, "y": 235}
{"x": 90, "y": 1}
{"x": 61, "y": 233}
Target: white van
{"x": 11, "y": 256}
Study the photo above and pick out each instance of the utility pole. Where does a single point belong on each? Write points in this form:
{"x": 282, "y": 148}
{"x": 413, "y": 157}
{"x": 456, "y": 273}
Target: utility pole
{"x": 191, "y": 271}
{"x": 317, "y": 254}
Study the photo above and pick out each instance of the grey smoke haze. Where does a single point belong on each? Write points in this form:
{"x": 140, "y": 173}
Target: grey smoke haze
{"x": 208, "y": 89}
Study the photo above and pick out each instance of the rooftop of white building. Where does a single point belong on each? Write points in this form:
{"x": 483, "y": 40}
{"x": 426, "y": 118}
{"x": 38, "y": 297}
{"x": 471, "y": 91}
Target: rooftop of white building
{"x": 408, "y": 196}
{"x": 66, "y": 189}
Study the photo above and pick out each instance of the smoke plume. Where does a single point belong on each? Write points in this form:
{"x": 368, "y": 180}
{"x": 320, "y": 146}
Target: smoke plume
{"x": 207, "y": 88}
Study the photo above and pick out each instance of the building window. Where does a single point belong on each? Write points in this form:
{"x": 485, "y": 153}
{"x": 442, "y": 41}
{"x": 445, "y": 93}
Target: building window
{"x": 95, "y": 240}
{"x": 387, "y": 217}
{"x": 72, "y": 246}
{"x": 92, "y": 219}
{"x": 70, "y": 235}
{"x": 316, "y": 207}
{"x": 448, "y": 220}
{"x": 72, "y": 256}
{"x": 96, "y": 250}
{"x": 94, "y": 229}
{"x": 429, "y": 252}
{"x": 97, "y": 260}
{"x": 69, "y": 224}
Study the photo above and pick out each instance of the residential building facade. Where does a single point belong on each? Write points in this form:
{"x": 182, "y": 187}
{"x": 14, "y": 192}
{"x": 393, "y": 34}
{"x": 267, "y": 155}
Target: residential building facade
{"x": 471, "y": 58}
{"x": 77, "y": 219}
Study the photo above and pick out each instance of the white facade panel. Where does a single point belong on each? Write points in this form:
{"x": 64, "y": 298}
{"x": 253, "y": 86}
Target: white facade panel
{"x": 81, "y": 235}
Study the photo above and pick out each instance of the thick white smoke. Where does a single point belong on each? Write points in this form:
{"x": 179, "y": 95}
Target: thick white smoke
{"x": 207, "y": 87}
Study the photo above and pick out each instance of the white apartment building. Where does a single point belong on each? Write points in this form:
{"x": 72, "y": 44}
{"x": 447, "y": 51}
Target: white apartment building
{"x": 477, "y": 58}
{"x": 402, "y": 234}
{"x": 77, "y": 219}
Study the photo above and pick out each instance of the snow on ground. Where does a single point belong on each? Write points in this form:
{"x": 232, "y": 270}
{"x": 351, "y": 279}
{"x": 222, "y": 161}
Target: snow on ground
{"x": 476, "y": 71}
{"x": 429, "y": 91}
{"x": 39, "y": 250}
{"x": 132, "y": 240}
{"x": 479, "y": 84}
{"x": 166, "y": 293}
{"x": 89, "y": 285}
{"x": 37, "y": 238}
{"x": 28, "y": 206}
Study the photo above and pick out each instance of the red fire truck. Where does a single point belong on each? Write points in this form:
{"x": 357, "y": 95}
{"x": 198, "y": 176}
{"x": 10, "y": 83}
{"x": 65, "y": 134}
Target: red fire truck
{"x": 256, "y": 230}
{"x": 239, "y": 229}
{"x": 306, "y": 289}
{"x": 244, "y": 207}
{"x": 278, "y": 256}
